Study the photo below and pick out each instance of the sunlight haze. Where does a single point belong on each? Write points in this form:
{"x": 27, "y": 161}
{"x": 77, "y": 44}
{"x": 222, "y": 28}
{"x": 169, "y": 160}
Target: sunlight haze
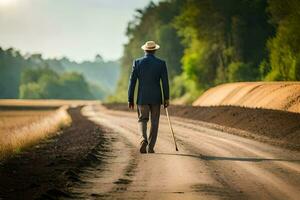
{"x": 78, "y": 29}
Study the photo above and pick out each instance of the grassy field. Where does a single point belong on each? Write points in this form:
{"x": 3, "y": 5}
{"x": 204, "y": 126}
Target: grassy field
{"x": 47, "y": 103}
{"x": 24, "y": 123}
{"x": 12, "y": 120}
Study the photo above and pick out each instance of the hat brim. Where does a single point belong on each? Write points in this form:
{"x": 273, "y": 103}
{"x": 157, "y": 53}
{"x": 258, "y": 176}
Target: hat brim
{"x": 144, "y": 47}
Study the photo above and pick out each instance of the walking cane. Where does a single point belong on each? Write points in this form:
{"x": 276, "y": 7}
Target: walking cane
{"x": 170, "y": 125}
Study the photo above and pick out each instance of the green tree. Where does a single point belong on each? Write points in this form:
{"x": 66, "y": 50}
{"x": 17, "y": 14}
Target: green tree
{"x": 11, "y": 65}
{"x": 154, "y": 22}
{"x": 17, "y": 71}
{"x": 74, "y": 86}
{"x": 47, "y": 84}
{"x": 284, "y": 47}
{"x": 30, "y": 91}
{"x": 238, "y": 71}
{"x": 219, "y": 36}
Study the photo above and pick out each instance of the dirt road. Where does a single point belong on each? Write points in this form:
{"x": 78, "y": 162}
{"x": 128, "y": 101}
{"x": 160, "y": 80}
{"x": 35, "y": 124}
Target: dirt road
{"x": 209, "y": 165}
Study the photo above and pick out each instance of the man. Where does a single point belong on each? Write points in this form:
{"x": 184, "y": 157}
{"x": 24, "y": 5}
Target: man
{"x": 149, "y": 71}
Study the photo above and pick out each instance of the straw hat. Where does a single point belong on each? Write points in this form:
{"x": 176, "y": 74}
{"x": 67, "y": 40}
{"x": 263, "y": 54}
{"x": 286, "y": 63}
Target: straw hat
{"x": 150, "y": 46}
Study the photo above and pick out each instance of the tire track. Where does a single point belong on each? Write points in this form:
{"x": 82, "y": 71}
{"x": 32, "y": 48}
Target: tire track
{"x": 229, "y": 167}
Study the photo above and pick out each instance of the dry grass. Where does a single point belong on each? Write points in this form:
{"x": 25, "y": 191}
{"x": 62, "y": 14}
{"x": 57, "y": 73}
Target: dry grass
{"x": 20, "y": 129}
{"x": 15, "y": 119}
{"x": 44, "y": 102}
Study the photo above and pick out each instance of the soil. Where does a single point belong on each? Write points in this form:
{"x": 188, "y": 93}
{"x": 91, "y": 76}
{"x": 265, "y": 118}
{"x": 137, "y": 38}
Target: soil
{"x": 283, "y": 96}
{"x": 98, "y": 158}
{"x": 210, "y": 164}
{"x": 280, "y": 128}
{"x": 46, "y": 169}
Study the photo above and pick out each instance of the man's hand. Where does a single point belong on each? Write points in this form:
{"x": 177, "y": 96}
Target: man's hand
{"x": 166, "y": 103}
{"x": 131, "y": 105}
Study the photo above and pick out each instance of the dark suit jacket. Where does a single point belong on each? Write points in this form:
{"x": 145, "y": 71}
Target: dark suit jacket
{"x": 149, "y": 71}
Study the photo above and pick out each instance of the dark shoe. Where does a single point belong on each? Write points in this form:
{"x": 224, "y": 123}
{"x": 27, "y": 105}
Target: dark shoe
{"x": 151, "y": 151}
{"x": 143, "y": 148}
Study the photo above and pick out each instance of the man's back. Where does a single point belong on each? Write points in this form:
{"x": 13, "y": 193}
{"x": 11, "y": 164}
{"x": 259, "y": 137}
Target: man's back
{"x": 149, "y": 70}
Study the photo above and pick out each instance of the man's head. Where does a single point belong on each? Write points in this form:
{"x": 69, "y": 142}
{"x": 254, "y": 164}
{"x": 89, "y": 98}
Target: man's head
{"x": 150, "y": 47}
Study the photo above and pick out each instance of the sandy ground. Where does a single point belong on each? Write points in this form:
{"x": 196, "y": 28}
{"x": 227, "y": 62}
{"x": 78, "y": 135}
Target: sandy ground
{"x": 276, "y": 127}
{"x": 99, "y": 159}
{"x": 209, "y": 165}
{"x": 271, "y": 95}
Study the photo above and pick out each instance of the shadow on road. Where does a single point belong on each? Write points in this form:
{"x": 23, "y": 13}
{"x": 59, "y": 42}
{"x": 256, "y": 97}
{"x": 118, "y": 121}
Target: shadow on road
{"x": 220, "y": 158}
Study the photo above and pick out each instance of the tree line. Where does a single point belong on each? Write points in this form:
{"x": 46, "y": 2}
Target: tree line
{"x": 209, "y": 42}
{"x": 32, "y": 77}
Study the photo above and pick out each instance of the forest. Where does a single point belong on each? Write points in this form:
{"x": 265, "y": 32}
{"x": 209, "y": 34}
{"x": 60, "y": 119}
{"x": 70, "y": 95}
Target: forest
{"x": 33, "y": 77}
{"x": 209, "y": 42}
{"x": 204, "y": 43}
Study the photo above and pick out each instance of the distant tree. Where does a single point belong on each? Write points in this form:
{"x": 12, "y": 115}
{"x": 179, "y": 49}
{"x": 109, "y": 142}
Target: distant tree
{"x": 17, "y": 70}
{"x": 11, "y": 65}
{"x": 98, "y": 59}
{"x": 48, "y": 84}
{"x": 30, "y": 91}
{"x": 34, "y": 75}
{"x": 74, "y": 86}
{"x": 97, "y": 91}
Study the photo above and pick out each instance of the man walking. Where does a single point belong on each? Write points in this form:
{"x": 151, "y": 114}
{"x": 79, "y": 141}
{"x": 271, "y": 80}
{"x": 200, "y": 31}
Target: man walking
{"x": 149, "y": 71}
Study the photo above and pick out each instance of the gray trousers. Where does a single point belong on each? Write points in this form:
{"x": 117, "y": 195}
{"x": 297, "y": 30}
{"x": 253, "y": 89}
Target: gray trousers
{"x": 143, "y": 115}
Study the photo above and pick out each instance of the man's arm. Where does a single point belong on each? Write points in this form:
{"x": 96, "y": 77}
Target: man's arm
{"x": 165, "y": 84}
{"x": 132, "y": 83}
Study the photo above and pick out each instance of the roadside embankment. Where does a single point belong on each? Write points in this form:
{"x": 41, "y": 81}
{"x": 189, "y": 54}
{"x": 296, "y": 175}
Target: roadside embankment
{"x": 283, "y": 96}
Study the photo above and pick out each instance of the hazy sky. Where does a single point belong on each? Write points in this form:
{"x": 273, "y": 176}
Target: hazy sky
{"x": 78, "y": 29}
